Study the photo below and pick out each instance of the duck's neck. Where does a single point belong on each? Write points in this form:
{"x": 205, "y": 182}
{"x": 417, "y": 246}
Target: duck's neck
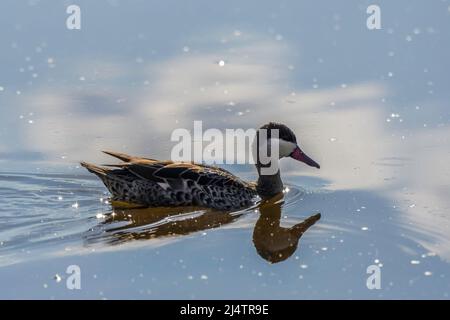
{"x": 268, "y": 185}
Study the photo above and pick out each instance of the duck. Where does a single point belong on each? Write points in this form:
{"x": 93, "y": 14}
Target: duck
{"x": 163, "y": 183}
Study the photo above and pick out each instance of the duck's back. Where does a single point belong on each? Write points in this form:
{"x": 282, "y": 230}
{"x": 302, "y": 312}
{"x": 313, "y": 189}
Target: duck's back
{"x": 165, "y": 183}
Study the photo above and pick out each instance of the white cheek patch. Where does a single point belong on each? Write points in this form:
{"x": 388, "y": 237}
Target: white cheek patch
{"x": 286, "y": 148}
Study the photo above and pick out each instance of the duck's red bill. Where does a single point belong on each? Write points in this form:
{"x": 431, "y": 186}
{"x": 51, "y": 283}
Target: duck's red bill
{"x": 299, "y": 155}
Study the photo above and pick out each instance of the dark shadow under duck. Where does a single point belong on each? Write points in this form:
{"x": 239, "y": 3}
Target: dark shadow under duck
{"x": 272, "y": 241}
{"x": 156, "y": 183}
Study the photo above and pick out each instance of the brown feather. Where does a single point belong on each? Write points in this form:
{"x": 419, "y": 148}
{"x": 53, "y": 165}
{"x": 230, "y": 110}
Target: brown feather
{"x": 94, "y": 169}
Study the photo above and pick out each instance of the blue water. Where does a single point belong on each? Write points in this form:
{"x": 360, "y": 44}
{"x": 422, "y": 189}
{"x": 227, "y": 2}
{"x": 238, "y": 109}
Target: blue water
{"x": 372, "y": 107}
{"x": 52, "y": 221}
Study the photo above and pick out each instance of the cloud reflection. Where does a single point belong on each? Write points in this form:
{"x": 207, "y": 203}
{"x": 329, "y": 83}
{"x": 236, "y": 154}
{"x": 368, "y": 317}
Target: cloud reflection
{"x": 344, "y": 126}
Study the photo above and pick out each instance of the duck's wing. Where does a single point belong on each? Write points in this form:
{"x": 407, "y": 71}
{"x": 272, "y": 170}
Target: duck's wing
{"x": 167, "y": 171}
{"x": 171, "y": 171}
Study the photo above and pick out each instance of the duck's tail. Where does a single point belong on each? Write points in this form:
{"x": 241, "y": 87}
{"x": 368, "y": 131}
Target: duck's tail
{"x": 99, "y": 171}
{"x": 122, "y": 156}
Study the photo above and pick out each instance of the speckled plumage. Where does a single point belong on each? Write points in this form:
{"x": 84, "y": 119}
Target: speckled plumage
{"x": 157, "y": 183}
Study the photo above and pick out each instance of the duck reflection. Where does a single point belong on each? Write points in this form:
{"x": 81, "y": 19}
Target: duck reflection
{"x": 126, "y": 224}
{"x": 273, "y": 242}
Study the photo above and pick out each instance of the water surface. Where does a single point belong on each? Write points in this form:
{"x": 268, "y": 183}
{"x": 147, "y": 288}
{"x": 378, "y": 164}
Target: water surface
{"x": 370, "y": 106}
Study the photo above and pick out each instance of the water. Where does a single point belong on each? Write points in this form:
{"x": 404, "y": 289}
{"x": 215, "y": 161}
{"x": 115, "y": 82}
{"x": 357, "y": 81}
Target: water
{"x": 370, "y": 106}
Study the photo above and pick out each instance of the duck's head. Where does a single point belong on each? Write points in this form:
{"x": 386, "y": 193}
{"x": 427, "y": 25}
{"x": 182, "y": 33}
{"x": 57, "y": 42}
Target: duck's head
{"x": 286, "y": 141}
